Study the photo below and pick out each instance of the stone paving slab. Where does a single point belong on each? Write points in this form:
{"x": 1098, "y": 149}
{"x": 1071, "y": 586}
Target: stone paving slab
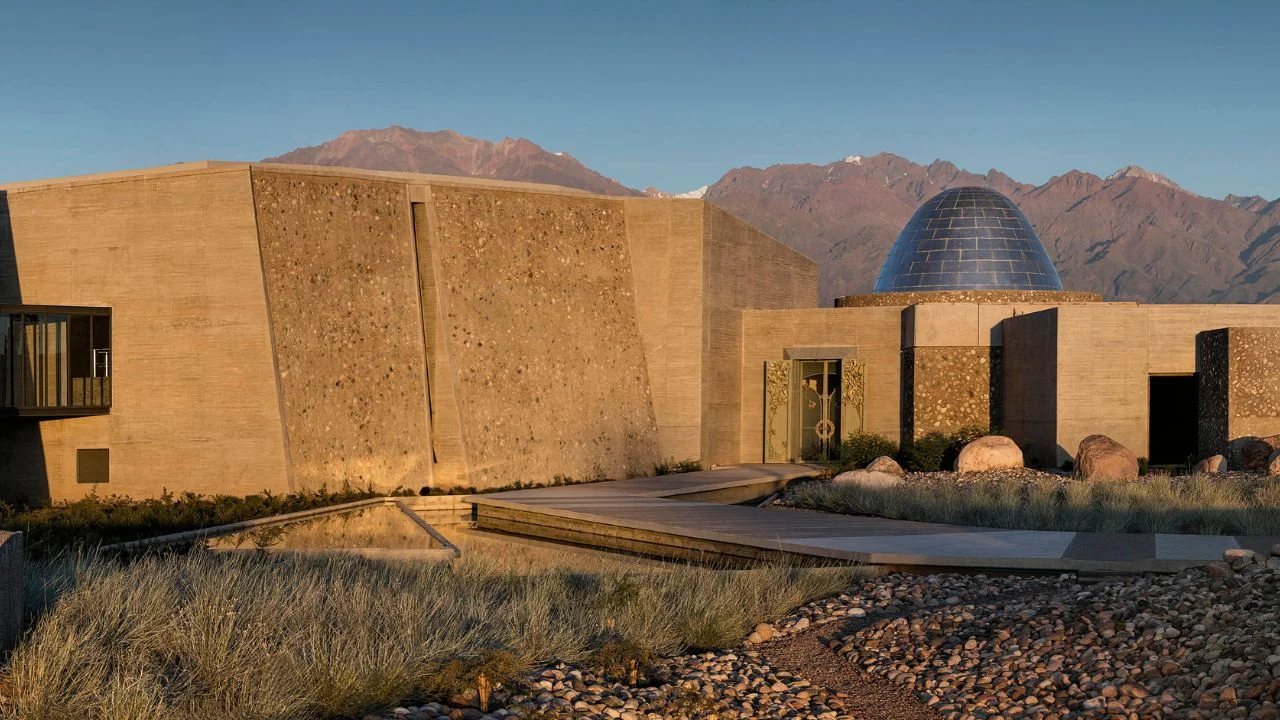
{"x": 650, "y": 504}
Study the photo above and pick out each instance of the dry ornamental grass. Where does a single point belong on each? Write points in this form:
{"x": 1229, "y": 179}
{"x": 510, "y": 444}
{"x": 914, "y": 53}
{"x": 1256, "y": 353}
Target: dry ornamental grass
{"x": 1199, "y": 504}
{"x": 209, "y": 636}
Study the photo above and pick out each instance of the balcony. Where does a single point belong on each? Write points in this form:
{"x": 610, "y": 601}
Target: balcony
{"x": 55, "y": 361}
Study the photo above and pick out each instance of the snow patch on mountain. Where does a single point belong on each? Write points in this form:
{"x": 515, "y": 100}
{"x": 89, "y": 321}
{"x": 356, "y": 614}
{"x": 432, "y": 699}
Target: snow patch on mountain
{"x": 855, "y": 159}
{"x": 695, "y": 194}
{"x": 1137, "y": 171}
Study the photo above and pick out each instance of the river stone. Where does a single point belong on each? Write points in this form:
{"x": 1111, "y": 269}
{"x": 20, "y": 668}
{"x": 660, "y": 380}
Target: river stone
{"x": 1099, "y": 458}
{"x": 992, "y": 452}
{"x": 1210, "y": 466}
{"x": 886, "y": 464}
{"x": 867, "y": 478}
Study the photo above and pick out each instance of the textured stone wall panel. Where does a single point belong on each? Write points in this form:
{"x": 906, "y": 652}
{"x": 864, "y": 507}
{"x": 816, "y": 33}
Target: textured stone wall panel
{"x": 1254, "y": 381}
{"x": 1046, "y": 297}
{"x": 342, "y": 287}
{"x": 953, "y": 388}
{"x": 540, "y": 315}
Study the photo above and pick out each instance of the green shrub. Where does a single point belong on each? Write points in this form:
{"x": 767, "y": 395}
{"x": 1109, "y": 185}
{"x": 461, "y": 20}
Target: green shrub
{"x": 935, "y": 451}
{"x": 1143, "y": 465}
{"x": 673, "y": 467}
{"x": 860, "y": 448}
{"x": 94, "y": 521}
{"x": 925, "y": 454}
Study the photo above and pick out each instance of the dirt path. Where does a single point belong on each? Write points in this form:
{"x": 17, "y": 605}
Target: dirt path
{"x": 867, "y": 698}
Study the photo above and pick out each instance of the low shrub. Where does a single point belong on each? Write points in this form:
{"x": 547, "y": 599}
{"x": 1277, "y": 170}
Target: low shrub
{"x": 860, "y": 448}
{"x": 673, "y": 467}
{"x": 938, "y": 451}
{"x": 595, "y": 475}
{"x": 925, "y": 454}
{"x": 94, "y": 521}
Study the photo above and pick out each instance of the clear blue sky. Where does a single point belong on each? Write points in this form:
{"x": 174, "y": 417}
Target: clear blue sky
{"x": 651, "y": 93}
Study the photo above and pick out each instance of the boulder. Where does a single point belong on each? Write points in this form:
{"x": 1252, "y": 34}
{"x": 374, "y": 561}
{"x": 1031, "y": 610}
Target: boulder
{"x": 1239, "y": 558}
{"x": 1273, "y": 464}
{"x": 1210, "y": 465}
{"x": 1219, "y": 570}
{"x": 1100, "y": 458}
{"x": 867, "y": 478}
{"x": 991, "y": 452}
{"x": 884, "y": 463}
{"x": 1251, "y": 453}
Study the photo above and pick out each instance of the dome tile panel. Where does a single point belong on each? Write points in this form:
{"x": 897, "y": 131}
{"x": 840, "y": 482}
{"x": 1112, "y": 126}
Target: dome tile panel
{"x": 968, "y": 238}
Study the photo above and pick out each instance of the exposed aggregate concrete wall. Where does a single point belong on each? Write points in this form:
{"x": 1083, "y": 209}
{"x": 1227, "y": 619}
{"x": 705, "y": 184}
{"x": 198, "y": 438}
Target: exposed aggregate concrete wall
{"x": 1239, "y": 371}
{"x": 342, "y": 287}
{"x": 1047, "y": 297}
{"x": 949, "y": 388}
{"x": 540, "y": 316}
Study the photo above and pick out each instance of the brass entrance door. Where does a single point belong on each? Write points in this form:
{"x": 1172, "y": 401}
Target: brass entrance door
{"x": 819, "y": 411}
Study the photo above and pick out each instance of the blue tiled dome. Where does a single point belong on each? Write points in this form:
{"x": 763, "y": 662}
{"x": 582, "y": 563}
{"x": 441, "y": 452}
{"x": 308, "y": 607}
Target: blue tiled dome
{"x": 968, "y": 238}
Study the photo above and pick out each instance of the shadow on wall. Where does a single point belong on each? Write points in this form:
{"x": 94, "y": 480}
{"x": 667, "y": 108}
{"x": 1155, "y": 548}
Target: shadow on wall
{"x": 23, "y": 474}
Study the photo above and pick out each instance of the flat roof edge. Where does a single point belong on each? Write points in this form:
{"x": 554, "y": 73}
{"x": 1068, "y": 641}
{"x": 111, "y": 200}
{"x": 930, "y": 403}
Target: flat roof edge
{"x": 217, "y": 166}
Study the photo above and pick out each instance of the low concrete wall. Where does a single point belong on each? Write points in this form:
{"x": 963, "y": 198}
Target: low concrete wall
{"x": 12, "y": 583}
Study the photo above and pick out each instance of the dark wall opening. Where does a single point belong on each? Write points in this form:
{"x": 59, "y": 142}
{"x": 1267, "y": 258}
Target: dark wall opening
{"x": 1174, "y": 419}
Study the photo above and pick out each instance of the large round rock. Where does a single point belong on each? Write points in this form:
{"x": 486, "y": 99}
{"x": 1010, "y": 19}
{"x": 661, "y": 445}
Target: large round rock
{"x": 1273, "y": 464}
{"x": 991, "y": 452}
{"x": 1100, "y": 458}
{"x": 1210, "y": 466}
{"x": 885, "y": 464}
{"x": 867, "y": 479}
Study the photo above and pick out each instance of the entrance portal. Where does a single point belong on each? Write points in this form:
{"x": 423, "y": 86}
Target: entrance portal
{"x": 809, "y": 401}
{"x": 1174, "y": 419}
{"x": 819, "y": 409}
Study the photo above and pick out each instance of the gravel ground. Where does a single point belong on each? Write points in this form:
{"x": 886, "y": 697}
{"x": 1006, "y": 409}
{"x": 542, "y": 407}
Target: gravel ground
{"x": 1200, "y": 644}
{"x": 739, "y": 684}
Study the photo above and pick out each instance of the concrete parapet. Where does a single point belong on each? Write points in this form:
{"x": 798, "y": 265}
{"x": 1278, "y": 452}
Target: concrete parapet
{"x": 12, "y": 584}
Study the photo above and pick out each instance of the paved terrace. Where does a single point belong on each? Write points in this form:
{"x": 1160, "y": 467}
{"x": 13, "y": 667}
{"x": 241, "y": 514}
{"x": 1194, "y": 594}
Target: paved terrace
{"x": 684, "y": 516}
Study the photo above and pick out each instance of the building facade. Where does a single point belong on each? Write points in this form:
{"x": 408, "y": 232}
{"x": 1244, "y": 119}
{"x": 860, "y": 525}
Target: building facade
{"x": 233, "y": 328}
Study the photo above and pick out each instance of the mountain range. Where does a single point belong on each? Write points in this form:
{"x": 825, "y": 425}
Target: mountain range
{"x": 1133, "y": 235}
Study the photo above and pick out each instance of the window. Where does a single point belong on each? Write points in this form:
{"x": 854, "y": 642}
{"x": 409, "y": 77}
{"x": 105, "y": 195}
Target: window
{"x": 55, "y": 361}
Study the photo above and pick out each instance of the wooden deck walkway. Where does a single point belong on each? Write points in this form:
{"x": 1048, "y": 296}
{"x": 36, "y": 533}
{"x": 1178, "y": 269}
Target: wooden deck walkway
{"x": 683, "y": 516}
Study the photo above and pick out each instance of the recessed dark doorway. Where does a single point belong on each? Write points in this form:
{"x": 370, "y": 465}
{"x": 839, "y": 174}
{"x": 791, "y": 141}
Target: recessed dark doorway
{"x": 1174, "y": 419}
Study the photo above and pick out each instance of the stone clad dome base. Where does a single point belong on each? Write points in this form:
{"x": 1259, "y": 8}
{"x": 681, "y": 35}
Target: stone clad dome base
{"x": 1039, "y": 297}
